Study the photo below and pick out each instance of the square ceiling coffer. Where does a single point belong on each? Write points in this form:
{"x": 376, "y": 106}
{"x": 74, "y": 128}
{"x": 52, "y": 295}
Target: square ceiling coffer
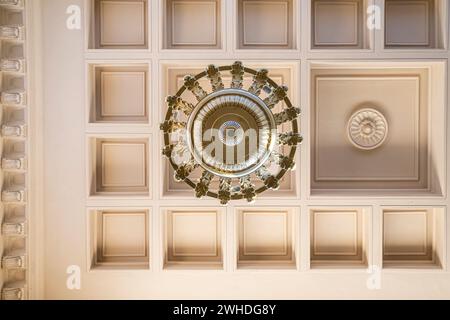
{"x": 371, "y": 129}
{"x": 266, "y": 238}
{"x": 118, "y": 238}
{"x": 118, "y": 167}
{"x": 118, "y": 24}
{"x": 193, "y": 238}
{"x": 413, "y": 237}
{"x": 416, "y": 24}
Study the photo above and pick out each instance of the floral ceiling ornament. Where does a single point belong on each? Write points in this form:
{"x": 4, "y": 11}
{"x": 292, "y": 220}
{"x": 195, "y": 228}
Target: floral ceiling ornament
{"x": 367, "y": 129}
{"x": 231, "y": 144}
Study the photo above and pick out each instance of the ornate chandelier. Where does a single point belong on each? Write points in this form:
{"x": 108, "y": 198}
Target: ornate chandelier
{"x": 232, "y": 135}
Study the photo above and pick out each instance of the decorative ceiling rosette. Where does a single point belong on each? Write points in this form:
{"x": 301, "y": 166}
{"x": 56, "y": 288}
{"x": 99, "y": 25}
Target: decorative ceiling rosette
{"x": 232, "y": 135}
{"x": 367, "y": 129}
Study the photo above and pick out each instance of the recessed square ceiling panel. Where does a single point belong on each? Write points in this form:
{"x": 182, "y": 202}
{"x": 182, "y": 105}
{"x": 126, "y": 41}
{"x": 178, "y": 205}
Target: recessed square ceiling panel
{"x": 412, "y": 237}
{"x": 120, "y": 24}
{"x": 266, "y": 24}
{"x": 337, "y": 23}
{"x": 339, "y": 237}
{"x": 193, "y": 238}
{"x": 119, "y": 238}
{"x": 410, "y": 23}
{"x": 398, "y": 122}
{"x": 192, "y": 24}
{"x": 266, "y": 238}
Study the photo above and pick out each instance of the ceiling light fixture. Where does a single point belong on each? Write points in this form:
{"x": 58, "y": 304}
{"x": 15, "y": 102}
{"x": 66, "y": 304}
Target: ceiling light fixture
{"x": 231, "y": 136}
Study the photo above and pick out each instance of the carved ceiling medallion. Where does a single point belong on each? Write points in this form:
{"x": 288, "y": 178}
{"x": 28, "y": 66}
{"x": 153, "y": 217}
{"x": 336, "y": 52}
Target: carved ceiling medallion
{"x": 367, "y": 129}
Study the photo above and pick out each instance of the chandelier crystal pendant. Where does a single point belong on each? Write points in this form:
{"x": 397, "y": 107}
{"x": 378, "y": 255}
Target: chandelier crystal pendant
{"x": 231, "y": 140}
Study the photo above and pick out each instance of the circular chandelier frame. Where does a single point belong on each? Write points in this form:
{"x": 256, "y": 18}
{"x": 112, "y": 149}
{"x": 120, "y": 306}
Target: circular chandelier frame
{"x": 261, "y": 81}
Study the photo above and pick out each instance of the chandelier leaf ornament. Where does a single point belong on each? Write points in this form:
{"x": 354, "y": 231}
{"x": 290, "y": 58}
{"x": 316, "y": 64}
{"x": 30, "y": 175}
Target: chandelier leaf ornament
{"x": 233, "y": 143}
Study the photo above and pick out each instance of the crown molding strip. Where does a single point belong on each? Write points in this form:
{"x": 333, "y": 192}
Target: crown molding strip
{"x": 14, "y": 266}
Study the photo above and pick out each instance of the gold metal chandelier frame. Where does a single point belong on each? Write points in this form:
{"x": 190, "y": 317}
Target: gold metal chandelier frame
{"x": 276, "y": 94}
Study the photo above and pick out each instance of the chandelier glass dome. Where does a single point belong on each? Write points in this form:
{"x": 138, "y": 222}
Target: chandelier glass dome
{"x": 232, "y": 138}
